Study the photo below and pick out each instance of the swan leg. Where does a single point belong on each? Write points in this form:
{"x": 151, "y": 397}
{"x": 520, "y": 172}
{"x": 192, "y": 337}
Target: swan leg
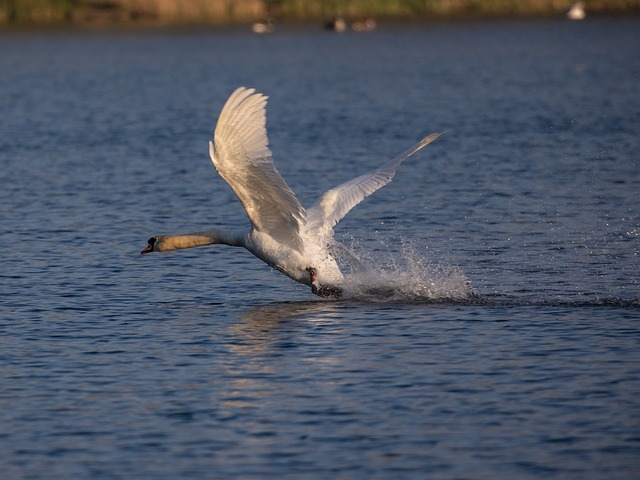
{"x": 317, "y": 289}
{"x": 313, "y": 280}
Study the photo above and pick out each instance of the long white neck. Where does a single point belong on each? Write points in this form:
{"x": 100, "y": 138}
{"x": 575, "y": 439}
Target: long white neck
{"x": 191, "y": 240}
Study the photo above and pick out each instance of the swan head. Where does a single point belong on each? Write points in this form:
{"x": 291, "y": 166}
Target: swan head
{"x": 151, "y": 246}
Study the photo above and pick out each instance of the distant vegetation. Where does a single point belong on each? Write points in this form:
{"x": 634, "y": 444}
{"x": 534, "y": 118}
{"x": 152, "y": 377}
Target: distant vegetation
{"x": 96, "y": 12}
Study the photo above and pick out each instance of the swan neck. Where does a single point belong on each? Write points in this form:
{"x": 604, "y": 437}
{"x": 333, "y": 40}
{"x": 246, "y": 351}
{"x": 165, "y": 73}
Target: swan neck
{"x": 199, "y": 239}
{"x": 227, "y": 238}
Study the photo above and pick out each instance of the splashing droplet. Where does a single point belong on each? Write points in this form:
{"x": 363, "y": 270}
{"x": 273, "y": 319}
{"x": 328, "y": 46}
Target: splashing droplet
{"x": 385, "y": 275}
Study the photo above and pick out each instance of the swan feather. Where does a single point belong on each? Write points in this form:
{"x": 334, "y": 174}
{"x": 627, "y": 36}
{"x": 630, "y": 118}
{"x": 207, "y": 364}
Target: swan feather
{"x": 334, "y": 204}
{"x": 241, "y": 156}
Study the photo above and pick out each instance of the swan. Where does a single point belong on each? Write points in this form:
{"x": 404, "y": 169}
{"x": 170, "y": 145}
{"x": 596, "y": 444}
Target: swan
{"x": 291, "y": 239}
{"x": 576, "y": 11}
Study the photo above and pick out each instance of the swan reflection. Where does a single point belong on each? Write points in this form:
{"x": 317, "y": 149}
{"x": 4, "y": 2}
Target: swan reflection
{"x": 258, "y": 328}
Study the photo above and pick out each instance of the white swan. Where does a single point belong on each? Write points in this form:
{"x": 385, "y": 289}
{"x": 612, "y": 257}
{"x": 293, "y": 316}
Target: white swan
{"x": 295, "y": 241}
{"x": 576, "y": 11}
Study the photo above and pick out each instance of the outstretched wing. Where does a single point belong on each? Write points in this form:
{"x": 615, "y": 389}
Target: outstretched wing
{"x": 241, "y": 156}
{"x": 334, "y": 204}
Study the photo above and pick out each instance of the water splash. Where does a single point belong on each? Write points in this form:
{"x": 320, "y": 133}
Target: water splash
{"x": 386, "y": 274}
{"x": 402, "y": 271}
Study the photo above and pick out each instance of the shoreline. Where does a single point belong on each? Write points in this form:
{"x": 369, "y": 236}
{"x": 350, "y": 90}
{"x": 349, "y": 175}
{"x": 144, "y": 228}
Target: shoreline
{"x": 230, "y": 14}
{"x": 285, "y": 28}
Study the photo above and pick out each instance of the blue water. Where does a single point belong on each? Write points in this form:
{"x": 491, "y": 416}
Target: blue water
{"x": 512, "y": 346}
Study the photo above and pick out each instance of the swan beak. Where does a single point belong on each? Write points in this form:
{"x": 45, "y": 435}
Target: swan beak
{"x": 149, "y": 248}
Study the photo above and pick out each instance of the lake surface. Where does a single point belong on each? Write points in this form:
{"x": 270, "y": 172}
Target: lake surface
{"x": 510, "y": 349}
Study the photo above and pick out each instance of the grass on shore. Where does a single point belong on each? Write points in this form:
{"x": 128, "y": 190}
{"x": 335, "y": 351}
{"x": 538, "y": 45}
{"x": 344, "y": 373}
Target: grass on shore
{"x": 222, "y": 12}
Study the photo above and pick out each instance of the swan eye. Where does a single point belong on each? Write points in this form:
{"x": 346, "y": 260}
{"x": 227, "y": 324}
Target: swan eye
{"x": 152, "y": 240}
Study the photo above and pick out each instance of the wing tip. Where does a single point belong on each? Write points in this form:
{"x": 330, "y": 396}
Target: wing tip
{"x": 243, "y": 93}
{"x": 429, "y": 138}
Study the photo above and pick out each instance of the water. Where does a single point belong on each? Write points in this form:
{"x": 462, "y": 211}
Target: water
{"x": 207, "y": 364}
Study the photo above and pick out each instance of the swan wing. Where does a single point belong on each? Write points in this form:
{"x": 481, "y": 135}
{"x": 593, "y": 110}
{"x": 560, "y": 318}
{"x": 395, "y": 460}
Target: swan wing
{"x": 334, "y": 204}
{"x": 241, "y": 156}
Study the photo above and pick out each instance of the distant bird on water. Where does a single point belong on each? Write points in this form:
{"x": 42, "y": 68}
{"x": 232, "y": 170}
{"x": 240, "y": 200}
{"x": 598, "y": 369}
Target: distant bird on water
{"x": 336, "y": 24}
{"x": 576, "y": 11}
{"x": 266, "y": 26}
{"x": 364, "y": 25}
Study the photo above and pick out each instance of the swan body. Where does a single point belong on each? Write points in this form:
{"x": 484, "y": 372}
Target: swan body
{"x": 291, "y": 239}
